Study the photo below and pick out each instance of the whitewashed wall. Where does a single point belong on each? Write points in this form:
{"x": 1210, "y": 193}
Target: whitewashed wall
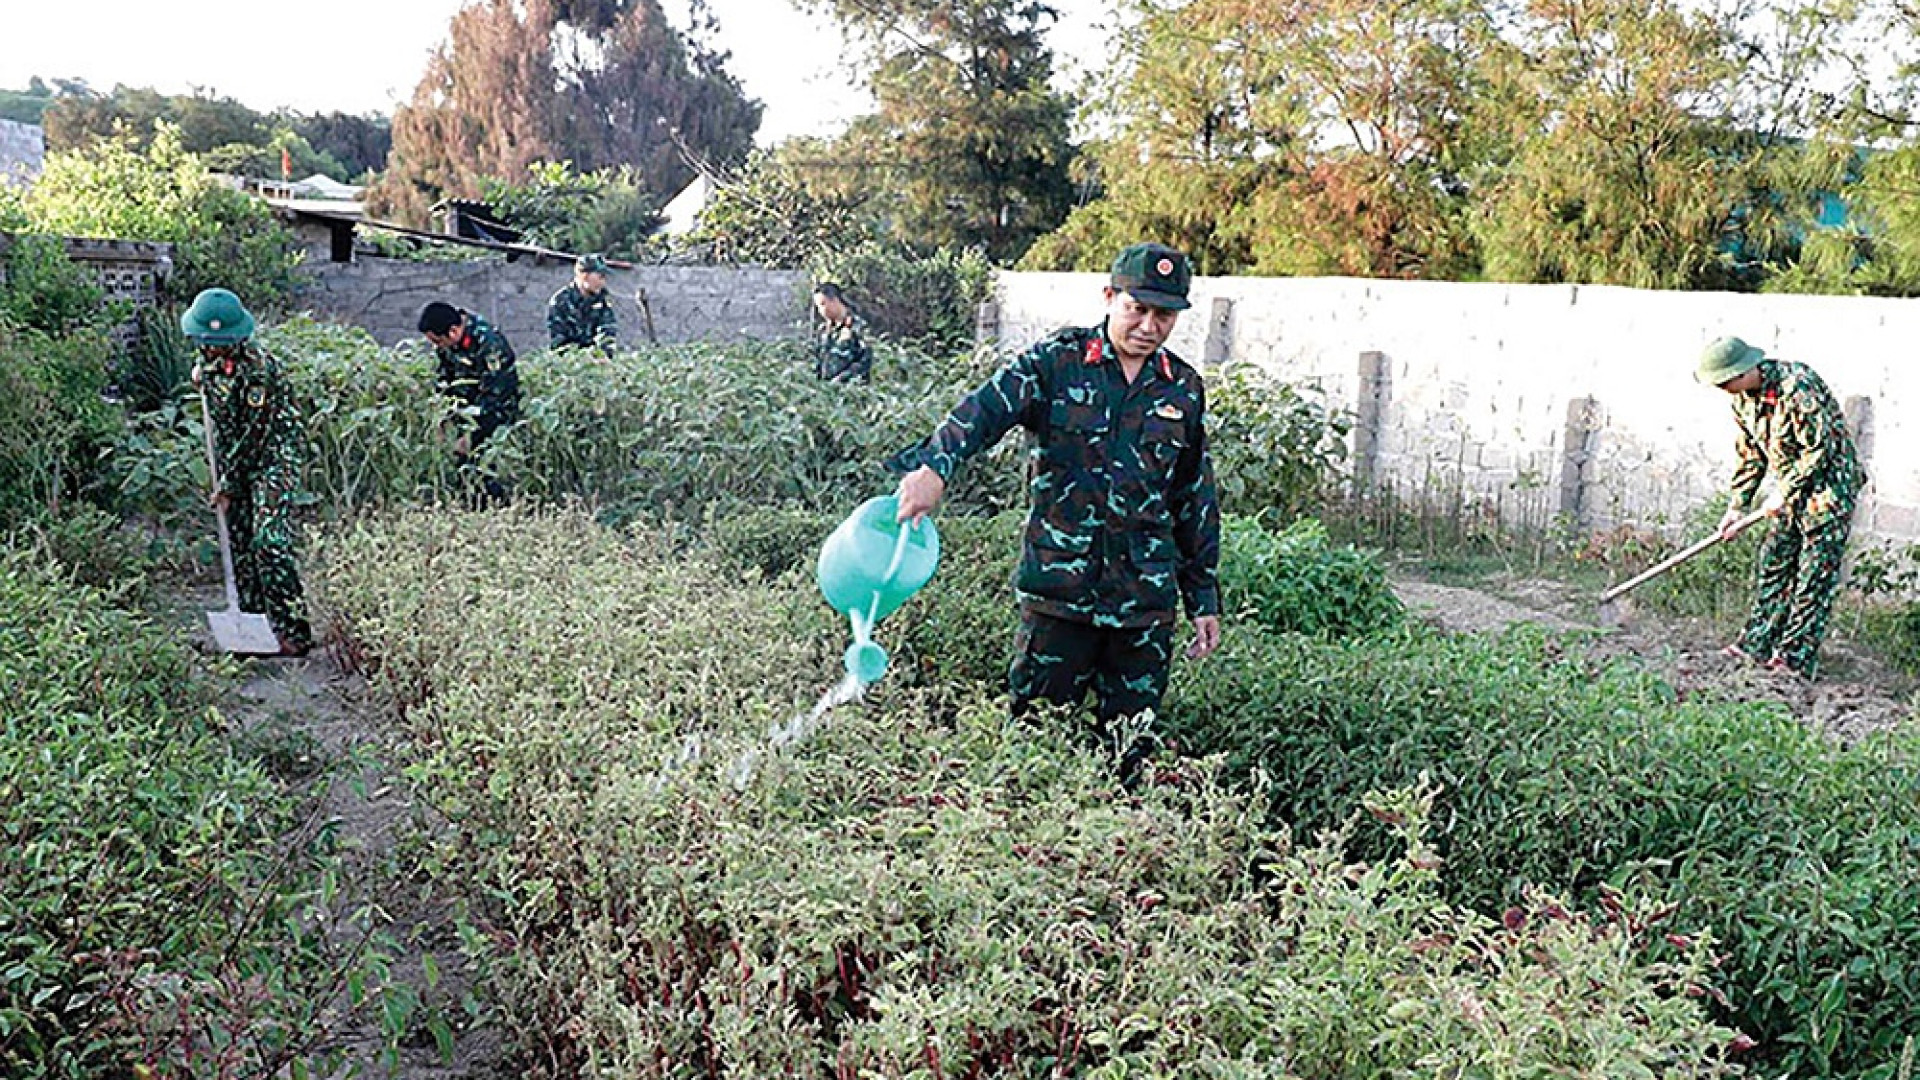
{"x": 1477, "y": 383}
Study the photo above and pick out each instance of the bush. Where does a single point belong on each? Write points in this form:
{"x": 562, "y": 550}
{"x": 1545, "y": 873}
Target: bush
{"x": 677, "y": 869}
{"x": 54, "y": 421}
{"x": 164, "y": 194}
{"x": 148, "y": 913}
{"x": 1573, "y": 774}
{"x": 924, "y": 301}
{"x": 1299, "y": 581}
{"x": 607, "y": 211}
{"x": 43, "y": 290}
{"x": 1277, "y": 448}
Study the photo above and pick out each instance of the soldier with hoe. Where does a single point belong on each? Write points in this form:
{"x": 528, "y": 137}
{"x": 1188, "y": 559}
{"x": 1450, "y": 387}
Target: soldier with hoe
{"x": 1790, "y": 424}
{"x": 1124, "y": 526}
{"x": 581, "y": 313}
{"x": 259, "y": 438}
{"x": 477, "y": 370}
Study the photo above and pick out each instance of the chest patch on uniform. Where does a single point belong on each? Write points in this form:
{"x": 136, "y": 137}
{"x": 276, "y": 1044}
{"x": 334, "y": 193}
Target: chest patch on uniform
{"x": 256, "y": 397}
{"x": 1168, "y": 411}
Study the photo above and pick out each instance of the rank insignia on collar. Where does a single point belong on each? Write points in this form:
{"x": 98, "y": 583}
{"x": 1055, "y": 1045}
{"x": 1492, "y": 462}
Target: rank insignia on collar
{"x": 1169, "y": 412}
{"x": 1095, "y": 353}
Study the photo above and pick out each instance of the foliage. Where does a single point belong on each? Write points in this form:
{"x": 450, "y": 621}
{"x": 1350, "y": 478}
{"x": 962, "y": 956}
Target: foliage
{"x": 599, "y": 85}
{"x": 1628, "y": 168}
{"x": 1298, "y": 581}
{"x": 54, "y": 418}
{"x": 159, "y": 368}
{"x": 165, "y": 194}
{"x": 968, "y": 137}
{"x": 686, "y": 882}
{"x": 607, "y": 211}
{"x": 1277, "y": 448}
{"x": 1575, "y": 773}
{"x": 1716, "y": 583}
{"x": 149, "y": 915}
{"x": 43, "y": 290}
{"x": 924, "y": 301}
{"x": 768, "y": 213}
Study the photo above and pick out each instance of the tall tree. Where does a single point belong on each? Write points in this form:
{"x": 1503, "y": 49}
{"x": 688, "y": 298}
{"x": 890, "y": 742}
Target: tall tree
{"x": 1289, "y": 136}
{"x": 598, "y": 83}
{"x": 1630, "y": 158}
{"x": 968, "y": 132}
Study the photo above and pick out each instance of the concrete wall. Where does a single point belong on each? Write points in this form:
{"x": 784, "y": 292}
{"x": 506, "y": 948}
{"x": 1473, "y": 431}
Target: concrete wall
{"x": 1538, "y": 400}
{"x": 23, "y": 150}
{"x": 681, "y": 303}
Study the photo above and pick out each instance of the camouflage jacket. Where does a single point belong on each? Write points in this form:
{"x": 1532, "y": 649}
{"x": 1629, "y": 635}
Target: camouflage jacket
{"x": 841, "y": 353}
{"x": 479, "y": 371}
{"x": 1125, "y": 519}
{"x": 574, "y": 318}
{"x": 258, "y": 427}
{"x": 1793, "y": 425}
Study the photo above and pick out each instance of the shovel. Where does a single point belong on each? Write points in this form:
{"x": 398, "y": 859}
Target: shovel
{"x": 1609, "y": 614}
{"x": 234, "y": 631}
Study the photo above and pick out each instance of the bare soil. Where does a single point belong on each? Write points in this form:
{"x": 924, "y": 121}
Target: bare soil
{"x": 1854, "y": 695}
{"x": 315, "y": 726}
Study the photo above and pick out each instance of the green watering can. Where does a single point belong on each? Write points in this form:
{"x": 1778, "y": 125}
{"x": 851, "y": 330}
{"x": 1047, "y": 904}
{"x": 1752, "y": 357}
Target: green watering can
{"x": 869, "y": 566}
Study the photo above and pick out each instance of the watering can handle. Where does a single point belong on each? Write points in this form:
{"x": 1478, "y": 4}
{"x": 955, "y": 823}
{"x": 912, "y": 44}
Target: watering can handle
{"x": 899, "y": 552}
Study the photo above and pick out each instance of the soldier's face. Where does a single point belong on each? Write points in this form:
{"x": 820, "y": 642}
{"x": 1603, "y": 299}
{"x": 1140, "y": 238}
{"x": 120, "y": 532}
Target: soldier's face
{"x": 830, "y": 309}
{"x": 1137, "y": 329}
{"x": 1742, "y": 383}
{"x": 590, "y": 281}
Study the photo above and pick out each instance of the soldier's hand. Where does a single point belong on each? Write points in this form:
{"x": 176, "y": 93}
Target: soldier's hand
{"x": 1775, "y": 503}
{"x": 1206, "y": 636}
{"x": 920, "y": 491}
{"x": 219, "y": 500}
{"x": 1727, "y": 522}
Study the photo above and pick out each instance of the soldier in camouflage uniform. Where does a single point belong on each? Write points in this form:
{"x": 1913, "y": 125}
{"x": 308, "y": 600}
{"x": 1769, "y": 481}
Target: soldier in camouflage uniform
{"x": 581, "y": 313}
{"x": 259, "y": 437}
{"x": 477, "y": 370}
{"x": 839, "y": 354}
{"x": 1791, "y": 424}
{"x": 1125, "y": 523}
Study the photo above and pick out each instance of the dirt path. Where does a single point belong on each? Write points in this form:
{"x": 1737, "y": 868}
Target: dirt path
{"x": 313, "y": 726}
{"x": 1853, "y": 697}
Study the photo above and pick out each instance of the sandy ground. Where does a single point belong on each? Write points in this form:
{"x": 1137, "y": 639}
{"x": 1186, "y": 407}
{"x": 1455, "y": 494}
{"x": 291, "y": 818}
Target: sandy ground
{"x": 1853, "y": 696}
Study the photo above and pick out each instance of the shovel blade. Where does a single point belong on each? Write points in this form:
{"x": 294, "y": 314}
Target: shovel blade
{"x": 242, "y": 632}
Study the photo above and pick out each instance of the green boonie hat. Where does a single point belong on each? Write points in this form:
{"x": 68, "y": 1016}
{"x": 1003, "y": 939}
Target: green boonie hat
{"x": 216, "y": 318}
{"x": 591, "y": 264}
{"x": 1725, "y": 359}
{"x": 1154, "y": 274}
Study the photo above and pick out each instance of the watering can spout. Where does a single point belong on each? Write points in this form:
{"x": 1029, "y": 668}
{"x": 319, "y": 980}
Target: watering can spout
{"x": 869, "y": 566}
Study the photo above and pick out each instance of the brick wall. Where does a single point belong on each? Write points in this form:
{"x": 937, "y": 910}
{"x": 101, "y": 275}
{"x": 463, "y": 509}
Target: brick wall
{"x": 1539, "y": 400}
{"x": 681, "y": 303}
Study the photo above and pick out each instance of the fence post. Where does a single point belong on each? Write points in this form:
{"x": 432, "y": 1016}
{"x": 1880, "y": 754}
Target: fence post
{"x": 1576, "y": 458}
{"x": 1219, "y": 333}
{"x": 1369, "y": 415}
{"x": 986, "y": 328}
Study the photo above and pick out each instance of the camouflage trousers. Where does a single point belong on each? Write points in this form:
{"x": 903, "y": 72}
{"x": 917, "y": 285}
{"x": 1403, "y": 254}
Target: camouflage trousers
{"x": 1798, "y": 578}
{"x": 1057, "y": 661}
{"x": 260, "y": 518}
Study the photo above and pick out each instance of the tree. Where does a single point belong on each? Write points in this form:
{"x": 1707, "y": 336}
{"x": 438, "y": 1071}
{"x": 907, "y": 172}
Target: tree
{"x": 968, "y": 134}
{"x": 598, "y": 83}
{"x": 1290, "y": 136}
{"x": 1630, "y": 161}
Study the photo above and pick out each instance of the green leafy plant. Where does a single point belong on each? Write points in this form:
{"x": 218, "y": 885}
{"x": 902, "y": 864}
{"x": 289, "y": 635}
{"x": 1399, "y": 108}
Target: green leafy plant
{"x": 1277, "y": 448}
{"x": 1298, "y": 581}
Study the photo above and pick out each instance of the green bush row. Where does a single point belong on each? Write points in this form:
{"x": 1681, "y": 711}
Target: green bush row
{"x": 682, "y": 868}
{"x": 149, "y": 913}
{"x": 1572, "y": 773}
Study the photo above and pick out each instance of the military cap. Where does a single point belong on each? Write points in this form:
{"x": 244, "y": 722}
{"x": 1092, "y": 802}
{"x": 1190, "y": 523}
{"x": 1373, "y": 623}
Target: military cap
{"x": 216, "y": 318}
{"x": 591, "y": 264}
{"x": 1154, "y": 274}
{"x": 1727, "y": 358}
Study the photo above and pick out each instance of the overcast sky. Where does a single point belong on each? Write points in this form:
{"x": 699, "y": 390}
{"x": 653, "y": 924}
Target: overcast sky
{"x": 361, "y": 56}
